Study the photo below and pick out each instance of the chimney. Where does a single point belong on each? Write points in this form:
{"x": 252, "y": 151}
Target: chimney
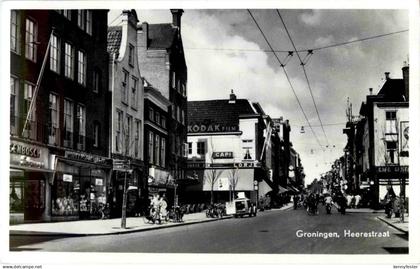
{"x": 176, "y": 17}
{"x": 370, "y": 91}
{"x": 386, "y": 75}
{"x": 405, "y": 71}
{"x": 232, "y": 97}
{"x": 143, "y": 35}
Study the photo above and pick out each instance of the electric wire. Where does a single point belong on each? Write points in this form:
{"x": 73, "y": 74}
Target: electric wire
{"x": 287, "y": 77}
{"x": 306, "y": 75}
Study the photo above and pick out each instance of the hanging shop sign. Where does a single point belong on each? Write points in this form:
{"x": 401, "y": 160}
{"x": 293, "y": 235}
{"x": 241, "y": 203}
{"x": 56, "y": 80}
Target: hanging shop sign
{"x": 222, "y": 155}
{"x": 67, "y": 178}
{"x": 78, "y": 156}
{"x": 404, "y": 134}
{"x": 212, "y": 128}
{"x": 99, "y": 181}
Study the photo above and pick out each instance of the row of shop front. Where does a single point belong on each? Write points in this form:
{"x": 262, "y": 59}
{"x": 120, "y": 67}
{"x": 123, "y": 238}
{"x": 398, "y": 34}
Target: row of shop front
{"x": 54, "y": 184}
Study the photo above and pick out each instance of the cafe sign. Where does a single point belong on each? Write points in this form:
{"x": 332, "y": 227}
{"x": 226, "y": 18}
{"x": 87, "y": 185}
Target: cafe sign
{"x": 223, "y": 155}
{"x": 392, "y": 171}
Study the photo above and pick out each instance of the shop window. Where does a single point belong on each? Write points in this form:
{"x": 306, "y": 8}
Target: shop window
{"x": 16, "y": 197}
{"x": 65, "y": 196}
{"x": 34, "y": 195}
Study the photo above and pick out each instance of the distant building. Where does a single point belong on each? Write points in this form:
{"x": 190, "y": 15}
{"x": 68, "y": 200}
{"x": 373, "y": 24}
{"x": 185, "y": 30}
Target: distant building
{"x": 127, "y": 110}
{"x": 59, "y": 146}
{"x": 381, "y": 139}
{"x": 162, "y": 58}
{"x": 225, "y": 145}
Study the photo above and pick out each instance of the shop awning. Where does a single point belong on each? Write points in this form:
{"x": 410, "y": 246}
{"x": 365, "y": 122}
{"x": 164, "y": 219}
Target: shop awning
{"x": 16, "y": 172}
{"x": 19, "y": 169}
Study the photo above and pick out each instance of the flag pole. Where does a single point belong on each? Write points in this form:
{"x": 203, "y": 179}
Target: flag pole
{"x": 38, "y": 83}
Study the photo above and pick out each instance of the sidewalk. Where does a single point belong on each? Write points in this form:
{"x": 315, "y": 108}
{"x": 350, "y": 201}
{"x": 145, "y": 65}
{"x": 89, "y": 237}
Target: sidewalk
{"x": 108, "y": 226}
{"x": 396, "y": 223}
{"x": 363, "y": 210}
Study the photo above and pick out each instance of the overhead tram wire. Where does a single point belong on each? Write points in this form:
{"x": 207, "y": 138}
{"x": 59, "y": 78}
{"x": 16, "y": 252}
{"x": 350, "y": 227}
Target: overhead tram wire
{"x": 301, "y": 50}
{"x": 306, "y": 75}
{"x": 287, "y": 77}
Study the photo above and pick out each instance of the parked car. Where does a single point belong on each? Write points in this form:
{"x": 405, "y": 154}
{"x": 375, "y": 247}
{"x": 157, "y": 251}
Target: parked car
{"x": 240, "y": 207}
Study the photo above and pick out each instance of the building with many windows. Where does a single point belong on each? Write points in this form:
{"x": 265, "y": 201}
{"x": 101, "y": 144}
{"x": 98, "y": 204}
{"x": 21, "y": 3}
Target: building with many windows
{"x": 377, "y": 159}
{"x": 127, "y": 110}
{"x": 58, "y": 114}
{"x": 162, "y": 58}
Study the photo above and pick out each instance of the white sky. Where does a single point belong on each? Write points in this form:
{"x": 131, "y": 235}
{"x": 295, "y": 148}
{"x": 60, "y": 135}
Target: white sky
{"x": 334, "y": 73}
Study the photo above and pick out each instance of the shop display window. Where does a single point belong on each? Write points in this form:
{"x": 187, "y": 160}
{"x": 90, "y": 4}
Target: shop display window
{"x": 16, "y": 197}
{"x": 65, "y": 197}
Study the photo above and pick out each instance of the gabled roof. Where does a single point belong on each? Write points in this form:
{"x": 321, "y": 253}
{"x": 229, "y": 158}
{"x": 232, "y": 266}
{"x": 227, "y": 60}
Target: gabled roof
{"x": 393, "y": 90}
{"x": 161, "y": 36}
{"x": 218, "y": 111}
{"x": 114, "y": 39}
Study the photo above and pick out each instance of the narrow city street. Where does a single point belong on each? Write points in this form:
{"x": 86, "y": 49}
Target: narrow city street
{"x": 271, "y": 232}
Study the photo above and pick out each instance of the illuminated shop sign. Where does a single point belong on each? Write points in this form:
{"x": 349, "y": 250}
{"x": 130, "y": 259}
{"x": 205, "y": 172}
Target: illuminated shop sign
{"x": 212, "y": 128}
{"x": 24, "y": 150}
{"x": 223, "y": 155}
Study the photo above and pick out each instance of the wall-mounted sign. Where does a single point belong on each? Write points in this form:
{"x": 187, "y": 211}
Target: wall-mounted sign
{"x": 212, "y": 128}
{"x": 24, "y": 150}
{"x": 99, "y": 181}
{"x": 240, "y": 165}
{"x": 404, "y": 133}
{"x": 78, "y": 156}
{"x": 222, "y": 155}
{"x": 392, "y": 171}
{"x": 67, "y": 178}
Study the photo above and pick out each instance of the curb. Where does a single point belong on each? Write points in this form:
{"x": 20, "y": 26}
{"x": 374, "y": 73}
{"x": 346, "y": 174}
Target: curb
{"x": 392, "y": 225}
{"x": 35, "y": 233}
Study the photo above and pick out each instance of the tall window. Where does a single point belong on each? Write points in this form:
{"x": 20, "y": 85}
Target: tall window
{"x": 96, "y": 81}
{"x": 178, "y": 113}
{"x": 118, "y": 131}
{"x": 14, "y": 32}
{"x": 150, "y": 149}
{"x": 189, "y": 147}
{"x": 30, "y": 38}
{"x": 67, "y": 14}
{"x": 81, "y": 119}
{"x": 157, "y": 117}
{"x": 201, "y": 148}
{"x": 124, "y": 87}
{"x": 134, "y": 92}
{"x": 68, "y": 123}
{"x": 14, "y": 88}
{"x": 68, "y": 60}
{"x": 173, "y": 80}
{"x": 128, "y": 135}
{"x": 55, "y": 54}
{"x": 151, "y": 114}
{"x": 89, "y": 22}
{"x": 81, "y": 67}
{"x": 28, "y": 91}
{"x": 163, "y": 121}
{"x": 96, "y": 134}
{"x": 391, "y": 126}
{"x": 53, "y": 119}
{"x": 137, "y": 138}
{"x": 163, "y": 152}
{"x": 131, "y": 55}
{"x": 183, "y": 116}
{"x": 81, "y": 18}
{"x": 157, "y": 149}
{"x": 391, "y": 150}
